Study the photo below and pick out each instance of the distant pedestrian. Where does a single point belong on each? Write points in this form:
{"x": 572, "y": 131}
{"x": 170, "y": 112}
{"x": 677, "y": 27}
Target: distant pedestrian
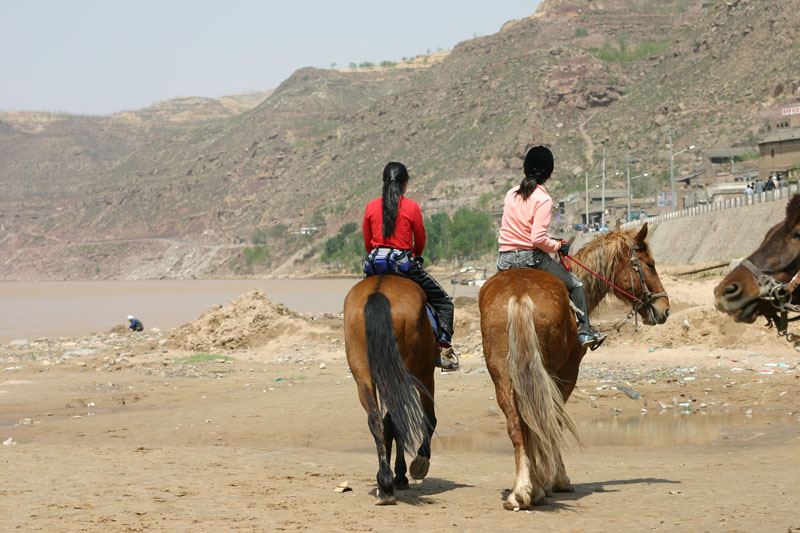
{"x": 782, "y": 182}
{"x": 769, "y": 185}
{"x": 134, "y": 324}
{"x": 758, "y": 187}
{"x": 749, "y": 189}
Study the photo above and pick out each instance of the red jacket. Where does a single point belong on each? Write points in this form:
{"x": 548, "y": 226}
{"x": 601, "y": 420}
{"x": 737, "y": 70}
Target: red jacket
{"x": 409, "y": 231}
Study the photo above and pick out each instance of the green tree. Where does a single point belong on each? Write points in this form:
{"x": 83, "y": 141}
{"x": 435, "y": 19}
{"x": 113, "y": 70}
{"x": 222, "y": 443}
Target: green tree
{"x": 473, "y": 233}
{"x": 277, "y": 231}
{"x": 346, "y": 247}
{"x": 259, "y": 236}
{"x": 468, "y": 233}
{"x": 438, "y": 232}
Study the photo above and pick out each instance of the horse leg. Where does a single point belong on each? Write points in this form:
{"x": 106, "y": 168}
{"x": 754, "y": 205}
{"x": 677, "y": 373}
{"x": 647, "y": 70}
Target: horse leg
{"x": 520, "y": 496}
{"x": 400, "y": 480}
{"x": 422, "y": 462}
{"x": 561, "y": 482}
{"x": 385, "y": 488}
{"x": 567, "y": 379}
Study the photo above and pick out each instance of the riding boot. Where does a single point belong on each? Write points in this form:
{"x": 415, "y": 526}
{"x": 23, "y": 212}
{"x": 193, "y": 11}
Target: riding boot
{"x": 587, "y": 336}
{"x": 448, "y": 359}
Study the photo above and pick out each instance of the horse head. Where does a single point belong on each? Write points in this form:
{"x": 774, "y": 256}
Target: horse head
{"x": 746, "y": 290}
{"x": 655, "y": 302}
{"x": 625, "y": 259}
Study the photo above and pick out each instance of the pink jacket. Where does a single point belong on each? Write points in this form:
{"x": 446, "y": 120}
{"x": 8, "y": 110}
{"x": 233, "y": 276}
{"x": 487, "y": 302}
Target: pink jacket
{"x": 525, "y": 222}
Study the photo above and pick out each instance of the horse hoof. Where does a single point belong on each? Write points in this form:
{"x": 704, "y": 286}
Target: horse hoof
{"x": 391, "y": 500}
{"x": 538, "y": 498}
{"x": 419, "y": 467}
{"x": 400, "y": 483}
{"x": 516, "y": 502}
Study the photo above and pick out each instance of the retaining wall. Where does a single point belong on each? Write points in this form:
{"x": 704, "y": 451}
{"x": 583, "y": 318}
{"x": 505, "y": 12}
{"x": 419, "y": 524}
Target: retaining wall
{"x": 713, "y": 233}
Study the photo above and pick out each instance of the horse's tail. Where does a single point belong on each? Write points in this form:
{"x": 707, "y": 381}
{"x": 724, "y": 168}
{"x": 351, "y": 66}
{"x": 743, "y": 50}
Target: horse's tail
{"x": 397, "y": 389}
{"x": 539, "y": 400}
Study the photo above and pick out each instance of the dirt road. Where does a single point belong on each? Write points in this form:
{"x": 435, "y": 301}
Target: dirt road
{"x": 130, "y": 434}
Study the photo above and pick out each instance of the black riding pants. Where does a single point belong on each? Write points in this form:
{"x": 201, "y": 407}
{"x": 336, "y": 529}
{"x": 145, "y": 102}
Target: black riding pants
{"x": 437, "y": 297}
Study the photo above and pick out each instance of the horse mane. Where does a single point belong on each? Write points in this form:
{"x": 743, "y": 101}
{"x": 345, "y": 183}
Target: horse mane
{"x": 792, "y": 212}
{"x": 602, "y": 255}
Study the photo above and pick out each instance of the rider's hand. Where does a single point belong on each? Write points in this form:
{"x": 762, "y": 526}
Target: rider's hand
{"x": 419, "y": 260}
{"x": 564, "y": 250}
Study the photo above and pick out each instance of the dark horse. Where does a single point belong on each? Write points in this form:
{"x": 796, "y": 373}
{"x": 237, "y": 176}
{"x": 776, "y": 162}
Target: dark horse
{"x": 531, "y": 347}
{"x": 392, "y": 351}
{"x": 763, "y": 283}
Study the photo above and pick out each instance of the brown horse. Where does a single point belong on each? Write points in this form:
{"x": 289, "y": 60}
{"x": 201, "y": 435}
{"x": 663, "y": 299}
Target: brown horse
{"x": 532, "y": 352}
{"x": 392, "y": 351}
{"x": 763, "y": 283}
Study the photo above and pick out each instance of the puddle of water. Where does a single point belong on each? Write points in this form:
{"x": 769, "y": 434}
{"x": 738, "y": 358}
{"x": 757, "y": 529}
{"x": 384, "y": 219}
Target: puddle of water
{"x": 654, "y": 429}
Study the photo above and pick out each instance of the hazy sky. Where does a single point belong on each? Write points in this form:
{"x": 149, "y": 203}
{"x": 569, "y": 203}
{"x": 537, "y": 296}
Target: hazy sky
{"x": 102, "y": 56}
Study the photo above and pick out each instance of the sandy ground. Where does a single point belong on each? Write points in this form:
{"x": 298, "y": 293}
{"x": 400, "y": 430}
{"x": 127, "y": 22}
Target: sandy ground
{"x": 132, "y": 436}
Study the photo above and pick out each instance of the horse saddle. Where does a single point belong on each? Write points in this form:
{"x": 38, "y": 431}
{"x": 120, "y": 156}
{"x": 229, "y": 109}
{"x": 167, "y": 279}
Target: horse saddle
{"x": 433, "y": 319}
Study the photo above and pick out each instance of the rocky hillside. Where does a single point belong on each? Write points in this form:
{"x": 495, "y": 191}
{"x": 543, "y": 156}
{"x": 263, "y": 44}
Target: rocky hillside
{"x": 578, "y": 75}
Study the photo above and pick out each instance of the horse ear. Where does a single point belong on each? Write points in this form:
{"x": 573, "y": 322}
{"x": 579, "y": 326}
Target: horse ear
{"x": 642, "y": 235}
{"x": 793, "y": 211}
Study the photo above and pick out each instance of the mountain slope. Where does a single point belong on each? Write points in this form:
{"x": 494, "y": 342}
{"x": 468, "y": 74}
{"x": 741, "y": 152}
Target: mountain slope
{"x": 580, "y": 76}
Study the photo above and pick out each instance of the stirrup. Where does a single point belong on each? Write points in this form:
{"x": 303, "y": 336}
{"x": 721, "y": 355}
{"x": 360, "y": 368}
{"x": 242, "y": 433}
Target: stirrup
{"x": 591, "y": 339}
{"x": 598, "y": 341}
{"x": 448, "y": 360}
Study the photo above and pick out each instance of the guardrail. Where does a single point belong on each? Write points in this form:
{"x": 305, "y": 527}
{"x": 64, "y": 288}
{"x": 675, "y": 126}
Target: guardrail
{"x": 742, "y": 200}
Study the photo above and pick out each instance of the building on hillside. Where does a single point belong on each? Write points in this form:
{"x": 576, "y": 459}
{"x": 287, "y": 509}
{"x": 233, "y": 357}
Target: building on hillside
{"x": 782, "y": 117}
{"x": 306, "y": 230}
{"x": 732, "y": 164}
{"x": 780, "y": 154}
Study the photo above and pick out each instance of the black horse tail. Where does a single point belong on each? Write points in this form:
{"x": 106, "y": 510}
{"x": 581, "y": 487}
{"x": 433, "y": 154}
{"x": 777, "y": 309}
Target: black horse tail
{"x": 398, "y": 391}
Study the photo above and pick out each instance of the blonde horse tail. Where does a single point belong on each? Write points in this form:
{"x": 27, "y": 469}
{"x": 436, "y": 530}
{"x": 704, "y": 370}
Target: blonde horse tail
{"x": 539, "y": 400}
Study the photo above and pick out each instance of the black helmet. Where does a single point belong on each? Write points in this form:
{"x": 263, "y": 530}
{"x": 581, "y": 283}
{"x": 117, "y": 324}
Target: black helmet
{"x": 538, "y": 157}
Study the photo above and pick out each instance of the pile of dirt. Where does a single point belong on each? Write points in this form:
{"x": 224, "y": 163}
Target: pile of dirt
{"x": 699, "y": 326}
{"x": 248, "y": 321}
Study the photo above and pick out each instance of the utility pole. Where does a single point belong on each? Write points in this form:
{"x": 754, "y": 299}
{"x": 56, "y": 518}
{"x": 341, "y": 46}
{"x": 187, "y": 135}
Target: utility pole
{"x": 586, "y": 177}
{"x": 628, "y": 214}
{"x": 671, "y": 171}
{"x": 603, "y": 197}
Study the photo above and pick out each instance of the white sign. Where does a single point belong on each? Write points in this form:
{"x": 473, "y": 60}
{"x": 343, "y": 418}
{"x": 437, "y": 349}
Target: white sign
{"x": 794, "y": 110}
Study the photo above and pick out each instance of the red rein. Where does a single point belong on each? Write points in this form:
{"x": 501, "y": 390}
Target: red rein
{"x": 565, "y": 259}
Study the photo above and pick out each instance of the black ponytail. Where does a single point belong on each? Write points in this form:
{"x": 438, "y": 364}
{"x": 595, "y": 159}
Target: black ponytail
{"x": 395, "y": 177}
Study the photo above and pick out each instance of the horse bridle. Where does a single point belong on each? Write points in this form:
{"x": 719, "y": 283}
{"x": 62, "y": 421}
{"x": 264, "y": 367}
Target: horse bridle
{"x": 648, "y": 297}
{"x": 779, "y": 295}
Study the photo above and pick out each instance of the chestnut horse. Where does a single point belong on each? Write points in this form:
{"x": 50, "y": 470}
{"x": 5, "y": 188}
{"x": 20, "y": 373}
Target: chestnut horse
{"x": 392, "y": 351}
{"x": 763, "y": 283}
{"x": 530, "y": 342}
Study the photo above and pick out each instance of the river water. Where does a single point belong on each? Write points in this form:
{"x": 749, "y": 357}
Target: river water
{"x": 30, "y": 310}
